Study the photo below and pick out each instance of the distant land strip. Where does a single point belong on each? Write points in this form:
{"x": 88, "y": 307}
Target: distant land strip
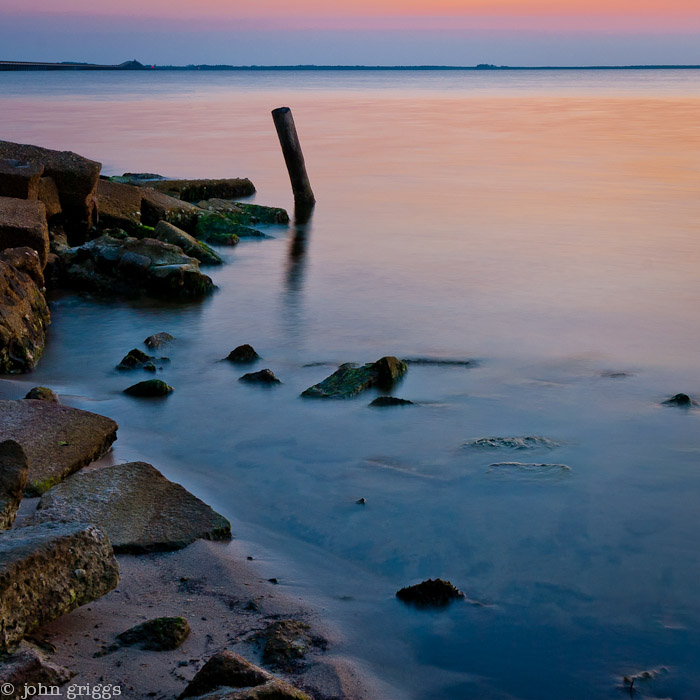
{"x": 135, "y": 65}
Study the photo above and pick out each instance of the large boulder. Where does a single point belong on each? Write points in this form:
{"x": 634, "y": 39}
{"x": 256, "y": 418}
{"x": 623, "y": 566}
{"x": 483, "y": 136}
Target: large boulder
{"x": 23, "y": 223}
{"x": 14, "y": 469}
{"x": 19, "y": 179}
{"x": 48, "y": 194}
{"x": 157, "y": 206}
{"x": 47, "y": 570}
{"x": 168, "y": 233}
{"x": 349, "y": 379}
{"x": 28, "y": 668}
{"x": 27, "y": 260}
{"x": 140, "y": 510}
{"x": 24, "y": 318}
{"x": 228, "y": 676}
{"x": 58, "y": 440}
{"x": 118, "y": 205}
{"x": 75, "y": 177}
{"x": 194, "y": 190}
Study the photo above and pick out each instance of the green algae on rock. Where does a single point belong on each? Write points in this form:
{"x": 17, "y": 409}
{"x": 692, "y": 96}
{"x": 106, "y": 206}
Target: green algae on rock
{"x": 350, "y": 379}
{"x": 168, "y": 233}
{"x": 43, "y": 393}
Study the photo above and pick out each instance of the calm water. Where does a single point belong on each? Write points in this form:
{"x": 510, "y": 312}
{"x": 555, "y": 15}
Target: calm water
{"x": 544, "y": 224}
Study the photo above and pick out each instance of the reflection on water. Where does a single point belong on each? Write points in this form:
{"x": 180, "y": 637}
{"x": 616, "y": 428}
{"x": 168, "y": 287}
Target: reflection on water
{"x": 542, "y": 224}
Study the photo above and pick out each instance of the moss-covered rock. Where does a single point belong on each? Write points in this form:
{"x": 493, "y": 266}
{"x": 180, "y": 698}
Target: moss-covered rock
{"x": 137, "y": 359}
{"x": 42, "y": 393}
{"x": 190, "y": 245}
{"x": 350, "y": 379}
{"x": 150, "y": 388}
{"x": 264, "y": 376}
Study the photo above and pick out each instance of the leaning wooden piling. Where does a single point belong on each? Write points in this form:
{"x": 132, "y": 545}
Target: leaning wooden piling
{"x": 293, "y": 157}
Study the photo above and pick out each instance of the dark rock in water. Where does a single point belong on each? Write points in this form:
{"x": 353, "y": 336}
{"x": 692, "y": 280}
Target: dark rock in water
{"x": 529, "y": 470}
{"x": 143, "y": 179}
{"x": 680, "y": 400}
{"x": 137, "y": 359}
{"x": 285, "y": 642}
{"x": 609, "y": 374}
{"x": 438, "y": 361}
{"x": 29, "y": 667}
{"x": 228, "y": 675}
{"x": 140, "y": 510}
{"x": 194, "y": 190}
{"x": 156, "y": 206}
{"x": 382, "y": 401}
{"x": 243, "y": 354}
{"x": 43, "y": 393}
{"x": 264, "y": 376}
{"x": 24, "y": 318}
{"x": 19, "y": 180}
{"x": 49, "y": 569}
{"x": 258, "y": 214}
{"x": 119, "y": 205}
{"x": 434, "y": 593}
{"x": 160, "y": 634}
{"x": 220, "y": 229}
{"x": 57, "y": 440}
{"x": 158, "y": 340}
{"x": 190, "y": 245}
{"x": 48, "y": 194}
{"x": 27, "y": 260}
{"x": 349, "y": 379}
{"x": 23, "y": 223}
{"x": 14, "y": 468}
{"x": 526, "y": 442}
{"x": 149, "y": 388}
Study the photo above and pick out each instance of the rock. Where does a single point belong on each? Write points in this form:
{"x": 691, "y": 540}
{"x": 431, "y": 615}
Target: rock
{"x": 526, "y": 442}
{"x": 160, "y": 634}
{"x": 228, "y": 676}
{"x": 20, "y": 180}
{"x": 681, "y": 401}
{"x": 156, "y": 206}
{"x": 27, "y": 260}
{"x": 285, "y": 642}
{"x": 139, "y": 509}
{"x": 194, "y": 190}
{"x": 529, "y": 470}
{"x": 23, "y": 223}
{"x": 24, "y": 318}
{"x": 29, "y": 667}
{"x": 137, "y": 359}
{"x": 149, "y": 388}
{"x": 190, "y": 245}
{"x": 158, "y": 340}
{"x": 58, "y": 440}
{"x": 243, "y": 213}
{"x": 434, "y": 593}
{"x": 75, "y": 177}
{"x": 142, "y": 179}
{"x": 264, "y": 376}
{"x": 14, "y": 469}
{"x": 383, "y": 401}
{"x": 349, "y": 379}
{"x": 42, "y": 393}
{"x": 218, "y": 229}
{"x": 439, "y": 362}
{"x": 243, "y": 354}
{"x": 47, "y": 570}
{"x": 119, "y": 205}
{"x": 48, "y": 194}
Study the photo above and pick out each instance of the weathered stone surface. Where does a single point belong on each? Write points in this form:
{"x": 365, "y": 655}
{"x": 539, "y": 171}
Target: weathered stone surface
{"x": 194, "y": 190}
{"x": 142, "y": 179}
{"x": 243, "y": 354}
{"x": 30, "y": 667}
{"x": 156, "y": 206}
{"x": 139, "y": 509}
{"x": 264, "y": 376}
{"x": 24, "y": 318}
{"x": 160, "y": 634}
{"x": 58, "y": 440}
{"x": 14, "y": 469}
{"x": 43, "y": 393}
{"x": 118, "y": 205}
{"x": 433, "y": 593}
{"x": 228, "y": 676}
{"x": 47, "y": 570}
{"x": 48, "y": 194}
{"x": 158, "y": 340}
{"x": 27, "y": 260}
{"x": 225, "y": 222}
{"x": 137, "y": 359}
{"x": 285, "y": 642}
{"x": 245, "y": 213}
{"x": 19, "y": 179}
{"x": 386, "y": 401}
{"x": 681, "y": 401}
{"x": 75, "y": 178}
{"x": 23, "y": 223}
{"x": 349, "y": 379}
{"x": 190, "y": 245}
{"x": 149, "y": 389}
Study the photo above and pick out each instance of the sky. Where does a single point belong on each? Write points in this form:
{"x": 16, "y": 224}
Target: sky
{"x": 369, "y": 32}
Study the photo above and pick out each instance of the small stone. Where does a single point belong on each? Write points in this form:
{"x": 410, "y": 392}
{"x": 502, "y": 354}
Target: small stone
{"x": 383, "y": 401}
{"x": 273, "y": 580}
{"x": 243, "y": 354}
{"x": 434, "y": 593}
{"x": 43, "y": 393}
{"x": 137, "y": 359}
{"x": 680, "y": 400}
{"x": 264, "y": 376}
{"x": 361, "y": 501}
{"x": 158, "y": 340}
{"x": 149, "y": 389}
{"x": 161, "y": 634}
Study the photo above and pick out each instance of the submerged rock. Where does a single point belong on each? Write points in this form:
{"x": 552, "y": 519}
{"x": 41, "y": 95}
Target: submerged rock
{"x": 526, "y": 442}
{"x": 228, "y": 676}
{"x": 349, "y": 379}
{"x": 140, "y": 510}
{"x": 438, "y": 362}
{"x": 527, "y": 470}
{"x": 29, "y": 667}
{"x": 42, "y": 393}
{"x": 385, "y": 401}
{"x": 285, "y": 642}
{"x": 57, "y": 440}
{"x": 681, "y": 401}
{"x": 264, "y": 376}
{"x": 23, "y": 223}
{"x": 137, "y": 359}
{"x": 190, "y": 245}
{"x": 14, "y": 468}
{"x": 158, "y": 340}
{"x": 243, "y": 354}
{"x": 160, "y": 634}
{"x": 149, "y": 388}
{"x": 47, "y": 570}
{"x": 434, "y": 593}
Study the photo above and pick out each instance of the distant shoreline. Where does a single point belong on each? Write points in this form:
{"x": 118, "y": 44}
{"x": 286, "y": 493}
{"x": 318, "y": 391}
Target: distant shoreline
{"x": 136, "y": 66}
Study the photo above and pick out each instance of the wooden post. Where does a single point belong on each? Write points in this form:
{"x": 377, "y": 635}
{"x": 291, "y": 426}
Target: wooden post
{"x": 293, "y": 157}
